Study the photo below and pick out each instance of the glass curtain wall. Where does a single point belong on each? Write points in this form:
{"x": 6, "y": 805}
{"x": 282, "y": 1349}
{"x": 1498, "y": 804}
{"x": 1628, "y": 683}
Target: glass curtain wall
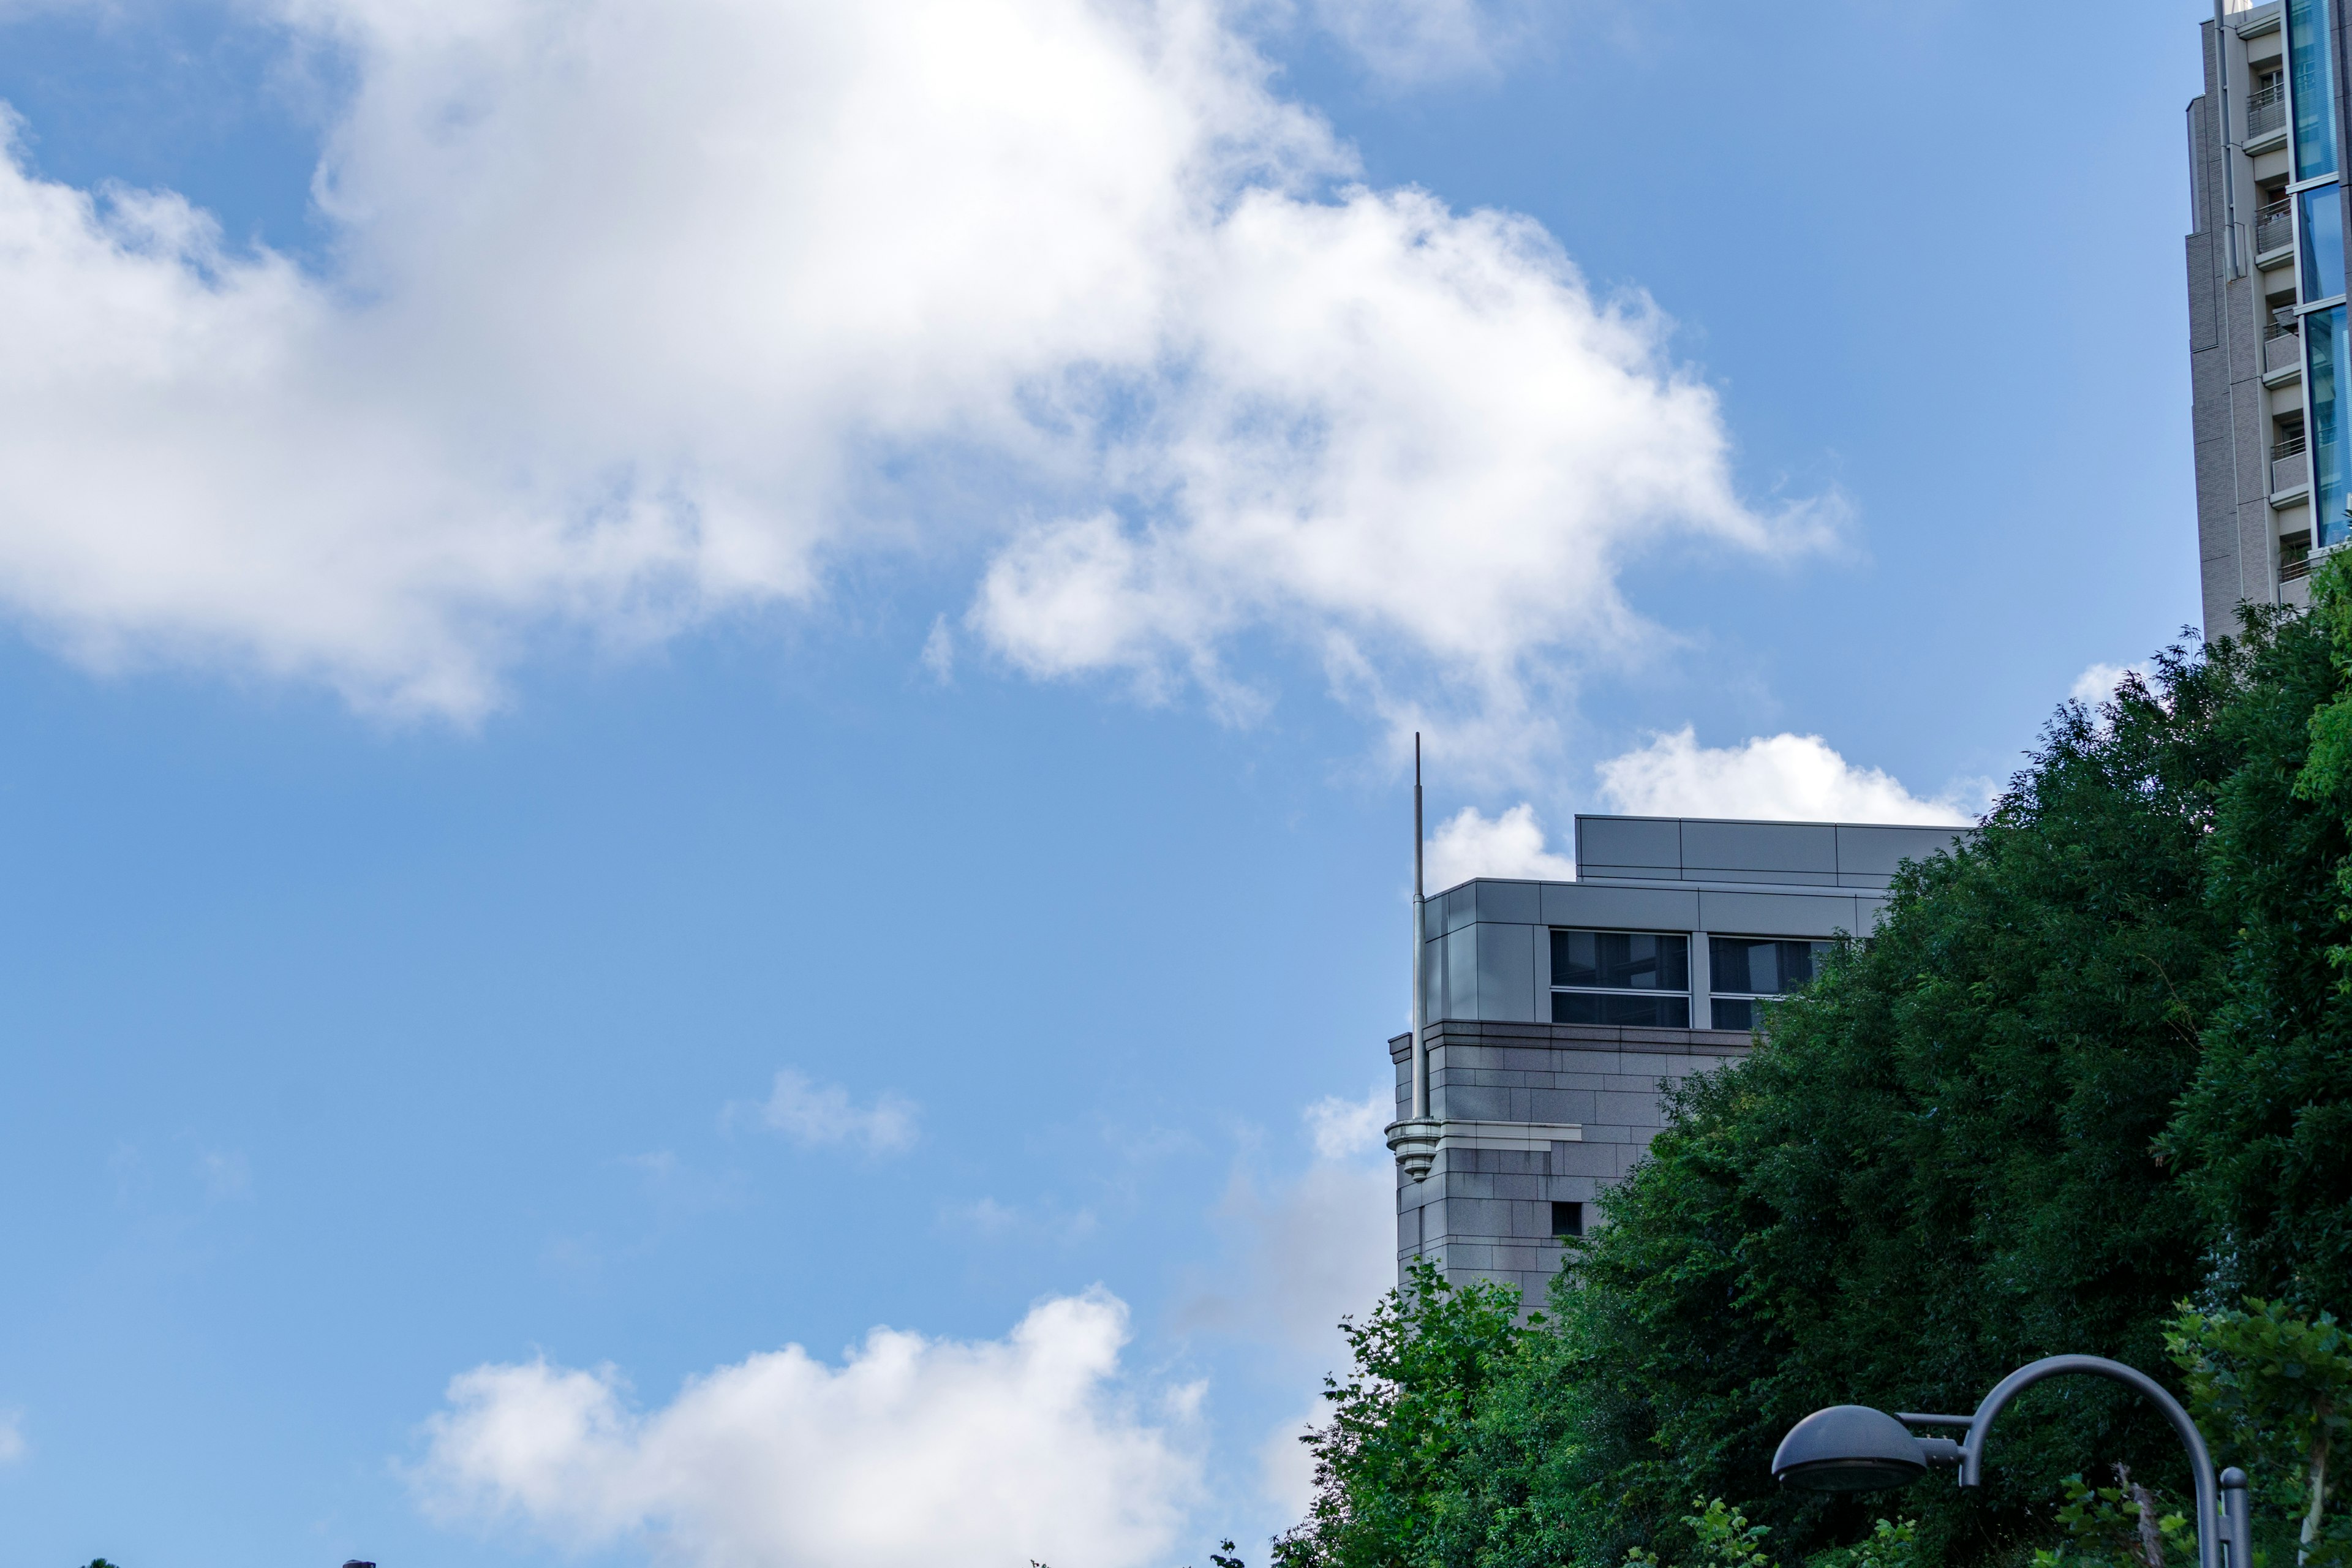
{"x": 2329, "y": 358}
{"x": 2319, "y": 220}
{"x": 2311, "y": 76}
{"x": 2321, "y": 215}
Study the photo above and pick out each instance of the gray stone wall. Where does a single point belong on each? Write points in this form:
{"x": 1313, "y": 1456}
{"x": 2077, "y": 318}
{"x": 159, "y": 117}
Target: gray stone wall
{"x": 1486, "y": 1213}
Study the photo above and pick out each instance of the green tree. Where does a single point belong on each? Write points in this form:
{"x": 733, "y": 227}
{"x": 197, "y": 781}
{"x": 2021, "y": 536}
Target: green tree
{"x": 1937, "y": 1164}
{"x": 2273, "y": 1393}
{"x": 1390, "y": 1465}
{"x": 1723, "y": 1537}
{"x": 2264, "y": 1135}
{"x": 2121, "y": 1526}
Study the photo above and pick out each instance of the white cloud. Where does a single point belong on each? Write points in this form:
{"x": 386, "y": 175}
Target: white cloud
{"x": 13, "y": 1443}
{"x": 1796, "y": 777}
{"x": 1472, "y": 844}
{"x": 1411, "y": 41}
{"x": 1285, "y": 1466}
{"x": 1408, "y": 437}
{"x": 642, "y": 314}
{"x": 2098, "y": 683}
{"x": 1341, "y": 1129}
{"x": 913, "y": 1452}
{"x": 818, "y": 1116}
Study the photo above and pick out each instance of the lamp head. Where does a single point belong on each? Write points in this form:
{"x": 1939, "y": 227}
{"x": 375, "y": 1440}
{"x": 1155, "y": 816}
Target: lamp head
{"x": 1849, "y": 1448}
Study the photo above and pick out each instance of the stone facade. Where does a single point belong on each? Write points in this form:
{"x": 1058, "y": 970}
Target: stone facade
{"x": 1536, "y": 1113}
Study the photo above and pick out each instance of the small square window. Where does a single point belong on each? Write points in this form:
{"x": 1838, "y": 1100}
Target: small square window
{"x": 1568, "y": 1219}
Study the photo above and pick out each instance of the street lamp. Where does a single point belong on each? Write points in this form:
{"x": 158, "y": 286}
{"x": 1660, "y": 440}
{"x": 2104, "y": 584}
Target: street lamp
{"x": 1854, "y": 1448}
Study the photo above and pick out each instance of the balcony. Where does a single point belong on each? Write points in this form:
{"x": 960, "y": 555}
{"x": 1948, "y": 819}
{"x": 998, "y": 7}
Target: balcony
{"x": 2274, "y": 228}
{"x": 2282, "y": 350}
{"x": 2290, "y": 466}
{"x": 2265, "y": 112}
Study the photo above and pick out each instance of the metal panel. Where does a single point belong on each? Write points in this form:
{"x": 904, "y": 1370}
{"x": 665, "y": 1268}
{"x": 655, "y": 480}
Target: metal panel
{"x": 1619, "y": 909}
{"x": 1507, "y": 972}
{"x": 1758, "y": 846}
{"x": 1631, "y": 845}
{"x": 1461, "y": 973}
{"x": 1776, "y": 914}
{"x": 1770, "y": 878}
{"x": 1876, "y": 851}
{"x": 1520, "y": 902}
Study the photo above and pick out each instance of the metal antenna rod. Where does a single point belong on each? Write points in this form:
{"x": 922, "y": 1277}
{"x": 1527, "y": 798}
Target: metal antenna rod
{"x": 1420, "y": 983}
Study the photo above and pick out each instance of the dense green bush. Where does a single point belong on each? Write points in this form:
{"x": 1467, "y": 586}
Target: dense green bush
{"x": 2093, "y": 1064}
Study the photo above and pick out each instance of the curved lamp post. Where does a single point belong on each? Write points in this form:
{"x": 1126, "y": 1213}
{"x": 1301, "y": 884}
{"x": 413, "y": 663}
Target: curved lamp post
{"x": 1854, "y": 1448}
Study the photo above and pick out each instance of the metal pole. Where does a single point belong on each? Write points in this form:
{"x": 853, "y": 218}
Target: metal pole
{"x": 2201, "y": 1464}
{"x": 1419, "y": 981}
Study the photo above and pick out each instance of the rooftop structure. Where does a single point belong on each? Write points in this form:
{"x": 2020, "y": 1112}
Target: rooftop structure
{"x": 1551, "y": 1016}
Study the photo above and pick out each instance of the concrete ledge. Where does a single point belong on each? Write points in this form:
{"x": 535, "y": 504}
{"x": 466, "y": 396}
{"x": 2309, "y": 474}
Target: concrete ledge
{"x": 1584, "y": 1036}
{"x": 1518, "y": 1137}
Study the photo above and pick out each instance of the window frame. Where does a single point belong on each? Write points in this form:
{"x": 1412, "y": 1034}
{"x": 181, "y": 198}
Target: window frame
{"x": 1686, "y": 993}
{"x": 1715, "y": 992}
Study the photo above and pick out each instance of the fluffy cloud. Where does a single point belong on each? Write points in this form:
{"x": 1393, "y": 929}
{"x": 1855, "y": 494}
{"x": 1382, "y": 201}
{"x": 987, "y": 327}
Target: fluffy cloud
{"x": 13, "y": 1443}
{"x": 821, "y": 1115}
{"x": 913, "y": 1452}
{"x": 1792, "y": 777}
{"x": 644, "y": 314}
{"x": 2098, "y": 683}
{"x": 1339, "y": 1129}
{"x": 1799, "y": 777}
{"x": 1396, "y": 429}
{"x": 1472, "y": 844}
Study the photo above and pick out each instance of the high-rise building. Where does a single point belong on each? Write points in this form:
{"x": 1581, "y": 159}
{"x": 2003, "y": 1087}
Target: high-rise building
{"x": 2267, "y": 338}
{"x": 1552, "y": 1015}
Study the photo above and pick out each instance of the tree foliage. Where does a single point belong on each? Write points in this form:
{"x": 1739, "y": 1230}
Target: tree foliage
{"x": 2094, "y": 1062}
{"x": 2273, "y": 1393}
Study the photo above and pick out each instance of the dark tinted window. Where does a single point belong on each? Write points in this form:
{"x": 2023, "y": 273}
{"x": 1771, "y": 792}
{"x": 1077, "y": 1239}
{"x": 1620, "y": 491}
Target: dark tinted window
{"x": 1734, "y": 1012}
{"x": 1567, "y": 1219}
{"x": 1761, "y": 966}
{"x": 1620, "y": 960}
{"x": 1621, "y": 1008}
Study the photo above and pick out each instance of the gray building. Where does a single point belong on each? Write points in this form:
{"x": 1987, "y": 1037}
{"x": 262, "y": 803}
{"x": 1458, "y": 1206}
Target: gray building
{"x": 2268, "y": 344}
{"x": 1552, "y": 1014}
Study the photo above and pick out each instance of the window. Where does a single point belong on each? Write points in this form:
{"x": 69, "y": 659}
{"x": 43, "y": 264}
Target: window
{"x": 1745, "y": 969}
{"x": 2323, "y": 242}
{"x": 1631, "y": 978}
{"x": 2313, "y": 87}
{"x": 2325, "y": 353}
{"x": 1568, "y": 1219}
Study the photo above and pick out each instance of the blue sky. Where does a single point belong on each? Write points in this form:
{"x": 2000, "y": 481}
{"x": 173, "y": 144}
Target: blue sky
{"x": 641, "y": 550}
